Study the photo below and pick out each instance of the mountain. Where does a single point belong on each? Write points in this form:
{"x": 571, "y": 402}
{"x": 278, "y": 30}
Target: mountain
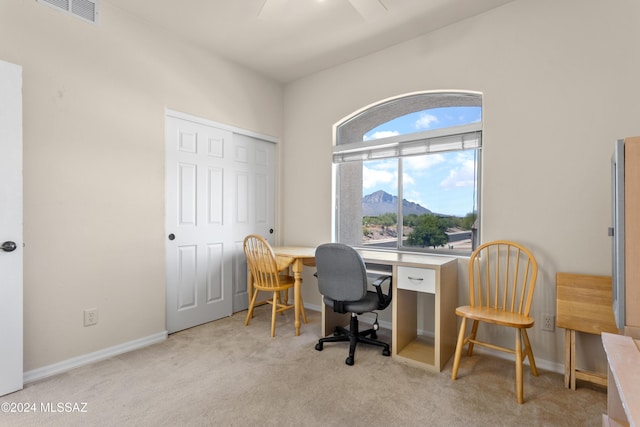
{"x": 381, "y": 202}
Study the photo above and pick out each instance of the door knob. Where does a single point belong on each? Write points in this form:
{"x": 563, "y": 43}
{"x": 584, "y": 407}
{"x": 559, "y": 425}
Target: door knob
{"x": 172, "y": 236}
{"x": 9, "y": 246}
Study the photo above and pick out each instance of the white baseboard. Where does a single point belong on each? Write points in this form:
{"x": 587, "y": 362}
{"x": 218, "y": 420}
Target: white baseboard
{"x": 312, "y": 307}
{"x": 85, "y": 359}
{"x": 543, "y": 364}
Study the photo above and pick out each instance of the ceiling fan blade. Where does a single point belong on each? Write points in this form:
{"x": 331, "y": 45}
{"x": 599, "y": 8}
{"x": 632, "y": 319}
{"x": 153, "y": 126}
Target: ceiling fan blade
{"x": 369, "y": 9}
{"x": 272, "y": 8}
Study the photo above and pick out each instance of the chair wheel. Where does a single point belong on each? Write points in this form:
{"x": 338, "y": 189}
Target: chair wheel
{"x": 386, "y": 352}
{"x": 319, "y": 346}
{"x": 349, "y": 361}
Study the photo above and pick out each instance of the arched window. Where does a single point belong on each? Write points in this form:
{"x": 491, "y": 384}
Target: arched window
{"x": 407, "y": 173}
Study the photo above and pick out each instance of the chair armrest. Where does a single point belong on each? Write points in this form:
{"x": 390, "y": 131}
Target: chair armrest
{"x": 383, "y": 300}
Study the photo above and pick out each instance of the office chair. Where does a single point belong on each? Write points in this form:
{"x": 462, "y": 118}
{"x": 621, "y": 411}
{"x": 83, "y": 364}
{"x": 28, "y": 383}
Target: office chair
{"x": 342, "y": 281}
{"x": 502, "y": 278}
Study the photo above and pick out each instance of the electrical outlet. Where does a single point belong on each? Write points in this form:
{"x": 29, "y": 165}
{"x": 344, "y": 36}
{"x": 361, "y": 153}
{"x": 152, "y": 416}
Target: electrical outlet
{"x": 90, "y": 316}
{"x": 548, "y": 322}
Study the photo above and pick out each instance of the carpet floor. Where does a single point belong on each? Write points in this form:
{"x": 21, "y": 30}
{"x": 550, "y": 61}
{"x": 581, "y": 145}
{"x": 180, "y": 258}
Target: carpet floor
{"x": 225, "y": 374}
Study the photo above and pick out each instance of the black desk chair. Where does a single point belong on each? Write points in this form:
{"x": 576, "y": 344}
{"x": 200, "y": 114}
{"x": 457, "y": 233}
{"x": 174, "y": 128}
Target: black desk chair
{"x": 342, "y": 281}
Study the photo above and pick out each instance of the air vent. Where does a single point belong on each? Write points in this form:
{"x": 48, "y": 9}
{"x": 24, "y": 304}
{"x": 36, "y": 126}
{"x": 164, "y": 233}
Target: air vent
{"x": 84, "y": 9}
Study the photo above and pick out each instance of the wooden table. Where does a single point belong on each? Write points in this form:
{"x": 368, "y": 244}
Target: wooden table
{"x": 583, "y": 304}
{"x": 298, "y": 256}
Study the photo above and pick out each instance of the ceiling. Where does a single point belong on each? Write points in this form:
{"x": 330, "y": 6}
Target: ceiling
{"x": 289, "y": 39}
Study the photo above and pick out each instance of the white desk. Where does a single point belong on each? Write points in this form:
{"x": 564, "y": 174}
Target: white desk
{"x": 414, "y": 273}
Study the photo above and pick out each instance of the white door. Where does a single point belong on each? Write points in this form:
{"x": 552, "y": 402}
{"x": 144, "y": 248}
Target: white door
{"x": 253, "y": 203}
{"x": 10, "y": 227}
{"x": 212, "y": 203}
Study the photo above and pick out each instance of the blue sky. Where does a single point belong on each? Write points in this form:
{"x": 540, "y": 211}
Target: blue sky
{"x": 441, "y": 182}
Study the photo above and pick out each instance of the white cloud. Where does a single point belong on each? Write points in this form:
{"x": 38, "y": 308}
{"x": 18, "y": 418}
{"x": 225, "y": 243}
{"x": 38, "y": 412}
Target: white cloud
{"x": 408, "y": 180}
{"x": 420, "y": 163}
{"x": 425, "y": 121}
{"x": 374, "y": 178}
{"x": 461, "y": 176}
{"x": 382, "y": 134}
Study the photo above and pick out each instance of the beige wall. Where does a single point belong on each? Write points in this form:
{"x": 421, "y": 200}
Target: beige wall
{"x": 560, "y": 85}
{"x": 94, "y": 107}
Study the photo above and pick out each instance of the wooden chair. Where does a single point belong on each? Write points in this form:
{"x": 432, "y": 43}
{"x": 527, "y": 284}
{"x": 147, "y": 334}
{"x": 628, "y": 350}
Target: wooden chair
{"x": 266, "y": 275}
{"x": 502, "y": 278}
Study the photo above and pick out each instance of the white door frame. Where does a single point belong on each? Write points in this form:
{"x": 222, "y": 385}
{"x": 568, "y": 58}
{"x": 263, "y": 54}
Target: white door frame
{"x": 207, "y": 122}
{"x": 11, "y": 260}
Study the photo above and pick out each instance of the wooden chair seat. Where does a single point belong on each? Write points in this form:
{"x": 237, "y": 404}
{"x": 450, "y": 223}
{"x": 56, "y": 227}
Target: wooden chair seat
{"x": 496, "y": 316}
{"x": 286, "y": 281}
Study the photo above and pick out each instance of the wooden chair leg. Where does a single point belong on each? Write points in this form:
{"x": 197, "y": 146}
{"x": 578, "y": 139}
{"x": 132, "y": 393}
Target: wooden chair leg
{"x": 252, "y": 305}
{"x": 519, "y": 385}
{"x": 459, "y": 345}
{"x": 286, "y": 297}
{"x": 274, "y": 312}
{"x": 250, "y": 289}
{"x": 472, "y": 336}
{"x": 304, "y": 315}
{"x": 528, "y": 352}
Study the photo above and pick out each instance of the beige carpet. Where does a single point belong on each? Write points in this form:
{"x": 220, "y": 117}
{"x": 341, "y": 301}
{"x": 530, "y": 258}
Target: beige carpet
{"x": 226, "y": 374}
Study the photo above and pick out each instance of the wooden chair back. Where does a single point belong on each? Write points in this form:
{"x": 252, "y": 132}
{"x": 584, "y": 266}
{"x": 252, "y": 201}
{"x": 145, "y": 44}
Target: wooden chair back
{"x": 262, "y": 263}
{"x": 502, "y": 276}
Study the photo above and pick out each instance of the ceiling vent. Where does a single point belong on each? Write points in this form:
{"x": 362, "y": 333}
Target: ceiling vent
{"x": 84, "y": 9}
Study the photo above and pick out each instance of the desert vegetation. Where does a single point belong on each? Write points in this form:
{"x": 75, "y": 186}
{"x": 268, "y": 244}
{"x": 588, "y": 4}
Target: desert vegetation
{"x": 426, "y": 230}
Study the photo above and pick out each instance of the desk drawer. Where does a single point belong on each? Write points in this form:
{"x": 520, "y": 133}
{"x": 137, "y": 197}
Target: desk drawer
{"x": 417, "y": 279}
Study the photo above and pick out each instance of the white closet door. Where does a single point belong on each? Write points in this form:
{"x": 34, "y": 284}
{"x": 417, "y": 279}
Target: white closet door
{"x": 254, "y": 205}
{"x": 212, "y": 203}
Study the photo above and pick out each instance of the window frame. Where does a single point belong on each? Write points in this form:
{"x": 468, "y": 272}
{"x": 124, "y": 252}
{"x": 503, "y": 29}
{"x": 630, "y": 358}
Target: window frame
{"x": 350, "y": 144}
